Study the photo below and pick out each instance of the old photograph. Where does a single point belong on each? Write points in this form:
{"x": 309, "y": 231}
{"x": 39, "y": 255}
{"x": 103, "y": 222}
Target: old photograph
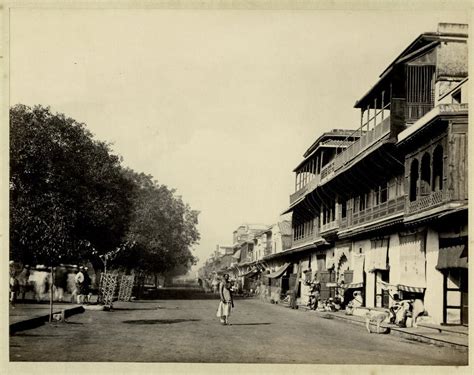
{"x": 237, "y": 186}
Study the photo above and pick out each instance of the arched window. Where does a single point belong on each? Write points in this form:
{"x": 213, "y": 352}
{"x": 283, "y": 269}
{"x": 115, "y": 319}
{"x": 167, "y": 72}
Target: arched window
{"x": 413, "y": 179}
{"x": 437, "y": 184}
{"x": 425, "y": 184}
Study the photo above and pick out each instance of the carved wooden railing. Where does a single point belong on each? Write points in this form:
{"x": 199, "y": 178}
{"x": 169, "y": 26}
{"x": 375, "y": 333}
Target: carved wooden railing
{"x": 367, "y": 139}
{"x": 385, "y": 209}
{"x": 426, "y": 202}
{"x": 330, "y": 226}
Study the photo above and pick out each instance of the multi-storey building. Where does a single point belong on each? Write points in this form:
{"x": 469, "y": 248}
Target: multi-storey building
{"x": 383, "y": 209}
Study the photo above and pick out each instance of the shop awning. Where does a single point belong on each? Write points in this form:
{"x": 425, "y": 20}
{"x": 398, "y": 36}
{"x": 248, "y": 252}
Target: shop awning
{"x": 413, "y": 289}
{"x": 404, "y": 288}
{"x": 452, "y": 257}
{"x": 354, "y": 285}
{"x": 279, "y": 272}
{"x": 250, "y": 273}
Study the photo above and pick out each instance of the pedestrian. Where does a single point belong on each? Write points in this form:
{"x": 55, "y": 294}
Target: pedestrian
{"x": 60, "y": 282}
{"x": 13, "y": 284}
{"x": 39, "y": 278}
{"x": 79, "y": 279}
{"x": 226, "y": 303}
{"x": 86, "y": 286}
{"x": 23, "y": 283}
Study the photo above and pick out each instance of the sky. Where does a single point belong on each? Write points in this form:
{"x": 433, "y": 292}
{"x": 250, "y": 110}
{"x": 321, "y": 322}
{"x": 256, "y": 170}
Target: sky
{"x": 220, "y": 105}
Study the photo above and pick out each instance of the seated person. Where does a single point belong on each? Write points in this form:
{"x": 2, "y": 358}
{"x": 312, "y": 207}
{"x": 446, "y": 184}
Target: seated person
{"x": 357, "y": 301}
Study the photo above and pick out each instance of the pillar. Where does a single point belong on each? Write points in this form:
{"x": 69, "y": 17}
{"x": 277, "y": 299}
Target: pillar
{"x": 434, "y": 278}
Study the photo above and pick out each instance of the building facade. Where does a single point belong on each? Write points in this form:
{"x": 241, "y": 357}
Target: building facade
{"x": 383, "y": 210}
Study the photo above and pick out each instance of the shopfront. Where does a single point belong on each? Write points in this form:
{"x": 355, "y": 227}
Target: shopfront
{"x": 376, "y": 267}
{"x": 277, "y": 282}
{"x": 453, "y": 263}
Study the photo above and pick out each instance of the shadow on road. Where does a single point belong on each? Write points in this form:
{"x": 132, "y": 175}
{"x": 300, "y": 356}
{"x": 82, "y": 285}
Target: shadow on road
{"x": 250, "y": 324}
{"x": 136, "y": 308}
{"x": 23, "y": 334}
{"x": 160, "y": 321}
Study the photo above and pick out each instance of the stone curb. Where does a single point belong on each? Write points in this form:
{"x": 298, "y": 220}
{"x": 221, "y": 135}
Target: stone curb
{"x": 392, "y": 330}
{"x": 400, "y": 333}
{"x": 37, "y": 321}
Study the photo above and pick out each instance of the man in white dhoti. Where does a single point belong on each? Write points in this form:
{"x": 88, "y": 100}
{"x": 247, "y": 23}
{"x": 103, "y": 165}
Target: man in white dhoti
{"x": 226, "y": 303}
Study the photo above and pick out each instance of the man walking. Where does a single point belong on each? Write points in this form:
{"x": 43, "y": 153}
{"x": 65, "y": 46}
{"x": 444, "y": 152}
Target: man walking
{"x": 227, "y": 303}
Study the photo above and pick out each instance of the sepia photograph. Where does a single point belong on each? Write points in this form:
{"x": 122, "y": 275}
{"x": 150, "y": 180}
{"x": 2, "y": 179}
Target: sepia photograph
{"x": 236, "y": 183}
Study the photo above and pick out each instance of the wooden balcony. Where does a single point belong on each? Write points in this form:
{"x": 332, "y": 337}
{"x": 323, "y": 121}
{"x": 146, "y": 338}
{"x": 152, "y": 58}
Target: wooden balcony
{"x": 310, "y": 186}
{"x": 386, "y": 209}
{"x": 302, "y": 241}
{"x": 331, "y": 226}
{"x": 367, "y": 139}
{"x": 427, "y": 202}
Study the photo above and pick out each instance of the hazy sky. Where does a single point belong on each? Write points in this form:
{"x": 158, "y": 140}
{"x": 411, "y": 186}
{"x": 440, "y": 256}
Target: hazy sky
{"x": 220, "y": 105}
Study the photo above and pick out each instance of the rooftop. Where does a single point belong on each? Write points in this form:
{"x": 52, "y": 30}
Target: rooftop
{"x": 338, "y": 133}
{"x": 422, "y": 44}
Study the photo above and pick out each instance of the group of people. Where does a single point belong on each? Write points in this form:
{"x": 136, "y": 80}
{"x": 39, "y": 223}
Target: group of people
{"x": 39, "y": 281}
{"x": 401, "y": 310}
{"x": 336, "y": 303}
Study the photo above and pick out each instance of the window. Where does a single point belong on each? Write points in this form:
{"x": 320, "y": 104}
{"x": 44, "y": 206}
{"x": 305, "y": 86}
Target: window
{"x": 400, "y": 191}
{"x": 380, "y": 194}
{"x": 437, "y": 184}
{"x": 344, "y": 209}
{"x": 425, "y": 183}
{"x": 383, "y": 193}
{"x": 413, "y": 179}
{"x": 392, "y": 188}
{"x": 457, "y": 97}
{"x": 363, "y": 202}
{"x": 356, "y": 204}
{"x": 419, "y": 91}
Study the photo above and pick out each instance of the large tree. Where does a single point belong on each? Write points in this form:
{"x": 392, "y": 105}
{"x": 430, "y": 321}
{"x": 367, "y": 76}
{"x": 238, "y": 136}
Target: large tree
{"x": 162, "y": 229}
{"x": 68, "y": 193}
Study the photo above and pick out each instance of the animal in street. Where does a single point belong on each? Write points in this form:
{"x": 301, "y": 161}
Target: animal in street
{"x": 376, "y": 317}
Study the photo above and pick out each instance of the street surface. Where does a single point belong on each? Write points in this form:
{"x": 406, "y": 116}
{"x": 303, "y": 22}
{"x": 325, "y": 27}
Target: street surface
{"x": 188, "y": 331}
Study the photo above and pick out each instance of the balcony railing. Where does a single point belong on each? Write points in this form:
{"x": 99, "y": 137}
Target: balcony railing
{"x": 365, "y": 141}
{"x": 310, "y": 186}
{"x": 332, "y": 225}
{"x": 426, "y": 202}
{"x": 308, "y": 239}
{"x": 385, "y": 209}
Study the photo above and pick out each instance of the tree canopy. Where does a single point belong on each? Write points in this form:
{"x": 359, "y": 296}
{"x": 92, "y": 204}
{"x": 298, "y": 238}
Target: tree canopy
{"x": 162, "y": 228}
{"x": 71, "y": 198}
